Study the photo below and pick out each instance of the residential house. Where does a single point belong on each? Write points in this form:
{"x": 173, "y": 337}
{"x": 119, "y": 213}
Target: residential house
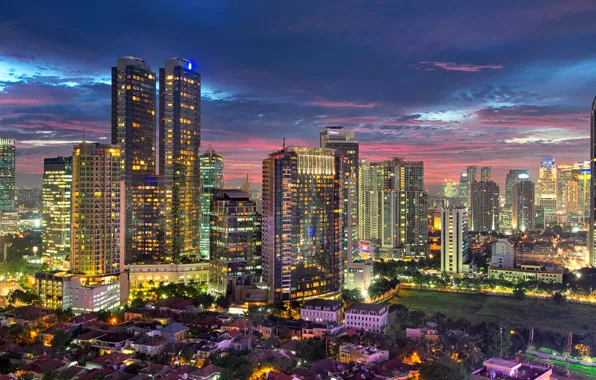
{"x": 174, "y": 331}
{"x": 115, "y": 360}
{"x": 148, "y": 344}
{"x": 362, "y": 354}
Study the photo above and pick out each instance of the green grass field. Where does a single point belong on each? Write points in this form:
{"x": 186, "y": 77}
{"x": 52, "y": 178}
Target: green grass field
{"x": 511, "y": 312}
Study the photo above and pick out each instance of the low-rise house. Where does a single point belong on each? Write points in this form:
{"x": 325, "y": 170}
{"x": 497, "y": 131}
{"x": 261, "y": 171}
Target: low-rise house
{"x": 291, "y": 346}
{"x": 422, "y": 333}
{"x": 294, "y": 327}
{"x": 367, "y": 316}
{"x": 181, "y": 373}
{"x": 115, "y": 360}
{"x": 239, "y": 324}
{"x": 137, "y": 313}
{"x": 210, "y": 372}
{"x": 497, "y": 368}
{"x": 393, "y": 369}
{"x": 177, "y": 304}
{"x": 155, "y": 370}
{"x": 321, "y": 311}
{"x": 148, "y": 345}
{"x": 174, "y": 331}
{"x": 273, "y": 375}
{"x": 73, "y": 372}
{"x": 112, "y": 341}
{"x": 320, "y": 330}
{"x": 81, "y": 320}
{"x": 39, "y": 367}
{"x": 87, "y": 339}
{"x": 31, "y": 315}
{"x": 362, "y": 354}
{"x": 330, "y": 367}
{"x": 47, "y": 335}
{"x": 266, "y": 328}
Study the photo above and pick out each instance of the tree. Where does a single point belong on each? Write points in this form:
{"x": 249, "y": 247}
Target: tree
{"x": 61, "y": 339}
{"x": 312, "y": 350}
{"x": 491, "y": 337}
{"x": 19, "y": 296}
{"x": 222, "y": 302}
{"x": 205, "y": 300}
{"x": 283, "y": 333}
{"x": 442, "y": 369}
{"x": 558, "y": 299}
{"x": 519, "y": 293}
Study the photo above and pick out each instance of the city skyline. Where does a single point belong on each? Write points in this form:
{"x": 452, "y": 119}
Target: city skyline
{"x": 450, "y": 95}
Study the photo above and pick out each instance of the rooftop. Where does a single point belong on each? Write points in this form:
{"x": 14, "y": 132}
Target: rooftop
{"x": 367, "y": 307}
{"x": 319, "y": 303}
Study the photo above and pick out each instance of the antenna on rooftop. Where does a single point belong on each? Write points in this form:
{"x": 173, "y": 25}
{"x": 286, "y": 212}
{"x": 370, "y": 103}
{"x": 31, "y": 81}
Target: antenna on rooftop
{"x": 284, "y": 142}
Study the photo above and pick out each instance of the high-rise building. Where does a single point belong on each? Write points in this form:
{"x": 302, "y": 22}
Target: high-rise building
{"x": 395, "y": 205}
{"x": 523, "y": 213}
{"x": 463, "y": 186}
{"x": 95, "y": 245}
{"x": 302, "y": 222}
{"x": 471, "y": 171}
{"x": 450, "y": 189}
{"x": 179, "y": 142}
{"x": 485, "y": 206}
{"x": 235, "y": 242}
{"x": 57, "y": 177}
{"x": 546, "y": 189}
{"x": 344, "y": 142}
{"x": 511, "y": 179}
{"x": 146, "y": 234}
{"x": 454, "y": 239}
{"x": 485, "y": 175}
{"x": 133, "y": 131}
{"x": 583, "y": 182}
{"x": 565, "y": 182}
{"x": 212, "y": 183}
{"x": 7, "y": 174}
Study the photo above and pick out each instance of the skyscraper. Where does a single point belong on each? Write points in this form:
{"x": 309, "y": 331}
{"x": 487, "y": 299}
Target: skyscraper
{"x": 179, "y": 142}
{"x": 212, "y": 183}
{"x": 450, "y": 189}
{"x": 235, "y": 242}
{"x": 344, "y": 142}
{"x": 546, "y": 189}
{"x": 511, "y": 179}
{"x": 133, "y": 131}
{"x": 302, "y": 222}
{"x": 95, "y": 245}
{"x": 485, "y": 206}
{"x": 454, "y": 239}
{"x": 57, "y": 178}
{"x": 463, "y": 186}
{"x": 7, "y": 174}
{"x": 523, "y": 212}
{"x": 471, "y": 171}
{"x": 485, "y": 173}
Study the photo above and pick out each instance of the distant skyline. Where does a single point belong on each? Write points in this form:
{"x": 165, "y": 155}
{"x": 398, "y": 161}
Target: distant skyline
{"x": 501, "y": 84}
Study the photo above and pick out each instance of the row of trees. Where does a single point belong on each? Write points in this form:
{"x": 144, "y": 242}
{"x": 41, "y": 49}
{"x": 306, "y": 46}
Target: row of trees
{"x": 193, "y": 290}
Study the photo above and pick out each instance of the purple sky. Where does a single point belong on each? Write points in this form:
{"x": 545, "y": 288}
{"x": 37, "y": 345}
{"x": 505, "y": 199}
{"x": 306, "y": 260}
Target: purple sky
{"x": 450, "y": 83}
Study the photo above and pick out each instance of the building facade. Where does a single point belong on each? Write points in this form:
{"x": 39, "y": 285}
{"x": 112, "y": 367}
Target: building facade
{"x": 235, "y": 242}
{"x": 57, "y": 178}
{"x": 523, "y": 213}
{"x": 485, "y": 206}
{"x": 502, "y": 254}
{"x": 302, "y": 223}
{"x": 454, "y": 239}
{"x": 366, "y": 316}
{"x": 212, "y": 184}
{"x": 7, "y": 174}
{"x": 179, "y": 143}
{"x": 546, "y": 189}
{"x": 322, "y": 311}
{"x": 347, "y": 147}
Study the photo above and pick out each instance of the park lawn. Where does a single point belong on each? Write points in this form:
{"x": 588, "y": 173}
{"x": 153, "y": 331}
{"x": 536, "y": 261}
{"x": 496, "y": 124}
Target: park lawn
{"x": 507, "y": 310}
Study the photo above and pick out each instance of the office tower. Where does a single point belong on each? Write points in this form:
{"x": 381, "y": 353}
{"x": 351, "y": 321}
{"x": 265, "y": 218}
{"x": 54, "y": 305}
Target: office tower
{"x": 212, "y": 182}
{"x": 344, "y": 142}
{"x": 57, "y": 177}
{"x": 133, "y": 131}
{"x": 583, "y": 182}
{"x": 546, "y": 189}
{"x": 592, "y": 232}
{"x": 302, "y": 222}
{"x": 485, "y": 206}
{"x": 510, "y": 180}
{"x": 145, "y": 235}
{"x": 471, "y": 171}
{"x": 454, "y": 239}
{"x": 565, "y": 182}
{"x": 463, "y": 186}
{"x": 485, "y": 175}
{"x": 235, "y": 242}
{"x": 7, "y": 174}
{"x": 450, "y": 189}
{"x": 95, "y": 210}
{"x": 179, "y": 141}
{"x": 523, "y": 213}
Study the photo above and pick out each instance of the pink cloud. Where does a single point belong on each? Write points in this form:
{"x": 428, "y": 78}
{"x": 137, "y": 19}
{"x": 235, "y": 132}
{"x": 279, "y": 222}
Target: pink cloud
{"x": 454, "y": 66}
{"x": 321, "y": 102}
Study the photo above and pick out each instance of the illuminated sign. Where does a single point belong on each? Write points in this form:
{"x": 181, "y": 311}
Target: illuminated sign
{"x": 523, "y": 176}
{"x": 190, "y": 65}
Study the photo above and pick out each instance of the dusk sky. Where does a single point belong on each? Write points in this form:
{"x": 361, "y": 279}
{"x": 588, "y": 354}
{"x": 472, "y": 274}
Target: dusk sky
{"x": 487, "y": 83}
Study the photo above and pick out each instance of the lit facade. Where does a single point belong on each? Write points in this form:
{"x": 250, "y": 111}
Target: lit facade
{"x": 212, "y": 183}
{"x": 133, "y": 131}
{"x": 463, "y": 186}
{"x": 485, "y": 174}
{"x": 7, "y": 174}
{"x": 347, "y": 147}
{"x": 592, "y": 232}
{"x": 150, "y": 275}
{"x": 302, "y": 223}
{"x": 450, "y": 189}
{"x": 523, "y": 212}
{"x": 179, "y": 139}
{"x": 365, "y": 316}
{"x": 94, "y": 293}
{"x": 145, "y": 235}
{"x": 235, "y": 242}
{"x": 454, "y": 239}
{"x": 54, "y": 289}
{"x": 95, "y": 235}
{"x": 57, "y": 177}
{"x": 485, "y": 206}
{"x": 471, "y": 172}
{"x": 546, "y": 189}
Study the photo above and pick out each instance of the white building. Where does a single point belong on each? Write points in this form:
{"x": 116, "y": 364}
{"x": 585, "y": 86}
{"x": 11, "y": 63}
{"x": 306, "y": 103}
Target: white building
{"x": 9, "y": 221}
{"x": 454, "y": 239}
{"x": 349, "y": 353}
{"x": 367, "y": 316}
{"x": 321, "y": 311}
{"x": 503, "y": 254}
{"x": 94, "y": 293}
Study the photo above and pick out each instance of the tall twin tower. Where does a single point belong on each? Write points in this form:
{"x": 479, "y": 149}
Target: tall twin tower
{"x": 161, "y": 210}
